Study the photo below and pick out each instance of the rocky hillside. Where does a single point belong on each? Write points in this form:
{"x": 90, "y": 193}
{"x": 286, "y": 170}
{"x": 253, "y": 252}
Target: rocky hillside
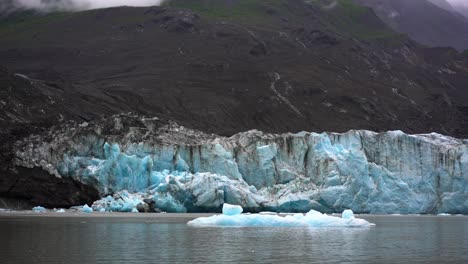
{"x": 277, "y": 66}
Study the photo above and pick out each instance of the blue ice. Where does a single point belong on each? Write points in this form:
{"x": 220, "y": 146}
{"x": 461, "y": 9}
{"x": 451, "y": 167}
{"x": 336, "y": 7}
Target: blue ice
{"x": 86, "y": 209}
{"x": 39, "y": 209}
{"x": 229, "y": 209}
{"x": 121, "y": 202}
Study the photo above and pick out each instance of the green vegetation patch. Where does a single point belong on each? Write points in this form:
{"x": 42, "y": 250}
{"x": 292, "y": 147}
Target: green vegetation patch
{"x": 227, "y": 9}
{"x": 28, "y": 20}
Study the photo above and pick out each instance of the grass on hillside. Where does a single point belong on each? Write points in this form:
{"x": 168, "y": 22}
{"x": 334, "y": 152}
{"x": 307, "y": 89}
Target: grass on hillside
{"x": 226, "y": 9}
{"x": 26, "y": 20}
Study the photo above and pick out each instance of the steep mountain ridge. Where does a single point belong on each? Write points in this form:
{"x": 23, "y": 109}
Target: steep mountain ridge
{"x": 291, "y": 66}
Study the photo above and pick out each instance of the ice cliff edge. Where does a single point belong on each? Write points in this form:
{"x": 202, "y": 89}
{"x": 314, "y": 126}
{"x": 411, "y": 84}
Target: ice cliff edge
{"x": 176, "y": 169}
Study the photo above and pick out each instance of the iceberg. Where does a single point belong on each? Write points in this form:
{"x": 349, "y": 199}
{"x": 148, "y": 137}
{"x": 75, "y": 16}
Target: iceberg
{"x": 60, "y": 211}
{"x": 347, "y": 214}
{"x": 166, "y": 167}
{"x": 311, "y": 219}
{"x": 229, "y": 209}
{"x": 86, "y": 209}
{"x": 39, "y": 209}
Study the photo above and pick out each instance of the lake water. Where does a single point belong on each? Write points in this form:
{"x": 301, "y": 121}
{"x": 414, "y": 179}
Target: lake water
{"x": 165, "y": 238}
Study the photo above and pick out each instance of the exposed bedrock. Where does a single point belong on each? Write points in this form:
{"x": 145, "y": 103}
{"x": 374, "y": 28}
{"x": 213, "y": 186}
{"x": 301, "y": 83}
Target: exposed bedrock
{"x": 177, "y": 169}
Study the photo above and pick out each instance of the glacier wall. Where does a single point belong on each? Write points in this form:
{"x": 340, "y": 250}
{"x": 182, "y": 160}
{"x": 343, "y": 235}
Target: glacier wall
{"x": 152, "y": 162}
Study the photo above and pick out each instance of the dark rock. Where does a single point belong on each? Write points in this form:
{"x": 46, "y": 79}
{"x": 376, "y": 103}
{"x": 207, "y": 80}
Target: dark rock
{"x": 37, "y": 187}
{"x": 143, "y": 208}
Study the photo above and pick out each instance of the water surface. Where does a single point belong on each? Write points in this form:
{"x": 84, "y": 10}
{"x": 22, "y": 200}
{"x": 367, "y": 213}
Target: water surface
{"x": 159, "y": 238}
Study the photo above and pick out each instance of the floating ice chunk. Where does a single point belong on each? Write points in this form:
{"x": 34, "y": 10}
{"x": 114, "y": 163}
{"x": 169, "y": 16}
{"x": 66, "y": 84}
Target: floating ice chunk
{"x": 60, "y": 211}
{"x": 230, "y": 209}
{"x": 102, "y": 210}
{"x": 87, "y": 209}
{"x": 347, "y": 214}
{"x": 39, "y": 209}
{"x": 311, "y": 219}
{"x": 134, "y": 210}
{"x": 443, "y": 214}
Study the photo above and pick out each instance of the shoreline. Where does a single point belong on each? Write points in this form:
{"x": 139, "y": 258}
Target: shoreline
{"x": 78, "y": 214}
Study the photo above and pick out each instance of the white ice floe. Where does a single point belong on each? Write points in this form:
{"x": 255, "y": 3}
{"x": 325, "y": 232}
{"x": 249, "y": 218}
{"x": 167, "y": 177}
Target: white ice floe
{"x": 311, "y": 219}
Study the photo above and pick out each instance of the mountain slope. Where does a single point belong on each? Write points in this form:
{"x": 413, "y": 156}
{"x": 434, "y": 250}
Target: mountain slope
{"x": 289, "y": 66}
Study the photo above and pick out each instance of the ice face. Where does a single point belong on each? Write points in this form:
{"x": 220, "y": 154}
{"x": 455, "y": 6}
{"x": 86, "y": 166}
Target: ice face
{"x": 229, "y": 209}
{"x": 188, "y": 171}
{"x": 311, "y": 219}
{"x": 121, "y": 202}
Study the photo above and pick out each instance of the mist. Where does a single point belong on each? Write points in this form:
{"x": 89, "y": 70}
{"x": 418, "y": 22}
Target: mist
{"x": 69, "y": 5}
{"x": 458, "y": 2}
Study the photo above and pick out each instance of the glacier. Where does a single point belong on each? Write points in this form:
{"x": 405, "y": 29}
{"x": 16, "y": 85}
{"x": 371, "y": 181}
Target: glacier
{"x": 145, "y": 164}
{"x": 232, "y": 217}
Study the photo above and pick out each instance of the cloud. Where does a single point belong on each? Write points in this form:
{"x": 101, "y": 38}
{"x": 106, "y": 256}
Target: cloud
{"x": 47, "y": 5}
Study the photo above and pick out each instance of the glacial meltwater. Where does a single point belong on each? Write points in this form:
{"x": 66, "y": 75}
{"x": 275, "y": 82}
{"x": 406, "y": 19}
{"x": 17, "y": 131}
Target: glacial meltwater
{"x": 166, "y": 238}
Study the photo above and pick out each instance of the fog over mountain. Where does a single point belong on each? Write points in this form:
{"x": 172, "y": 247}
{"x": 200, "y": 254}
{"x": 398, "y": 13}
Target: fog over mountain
{"x": 458, "y": 2}
{"x": 431, "y": 22}
{"x": 460, "y": 6}
{"x": 444, "y": 4}
{"x": 52, "y": 5}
